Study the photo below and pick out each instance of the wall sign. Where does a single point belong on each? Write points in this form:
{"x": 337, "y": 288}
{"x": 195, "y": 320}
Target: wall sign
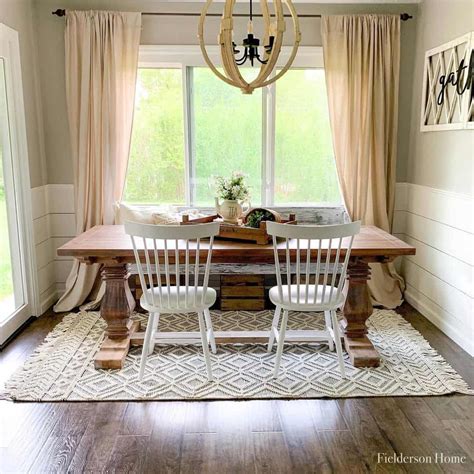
{"x": 448, "y": 86}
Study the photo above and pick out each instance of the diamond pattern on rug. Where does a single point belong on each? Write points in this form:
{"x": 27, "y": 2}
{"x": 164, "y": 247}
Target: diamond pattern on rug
{"x": 62, "y": 368}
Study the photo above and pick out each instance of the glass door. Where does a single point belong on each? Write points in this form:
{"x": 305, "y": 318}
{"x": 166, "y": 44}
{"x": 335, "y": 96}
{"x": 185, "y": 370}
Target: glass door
{"x": 15, "y": 306}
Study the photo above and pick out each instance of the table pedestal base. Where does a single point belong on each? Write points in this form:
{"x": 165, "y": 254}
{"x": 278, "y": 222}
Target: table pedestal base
{"x": 361, "y": 352}
{"x": 357, "y": 310}
{"x": 112, "y": 352}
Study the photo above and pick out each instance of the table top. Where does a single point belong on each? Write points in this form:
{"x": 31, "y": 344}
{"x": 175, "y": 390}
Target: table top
{"x": 106, "y": 243}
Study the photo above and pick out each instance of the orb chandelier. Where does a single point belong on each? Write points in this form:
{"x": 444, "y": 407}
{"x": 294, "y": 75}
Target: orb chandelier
{"x": 251, "y": 51}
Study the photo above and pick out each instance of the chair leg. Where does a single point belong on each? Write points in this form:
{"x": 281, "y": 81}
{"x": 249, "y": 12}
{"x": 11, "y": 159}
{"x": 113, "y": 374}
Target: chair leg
{"x": 327, "y": 317}
{"x": 205, "y": 345}
{"x": 337, "y": 337}
{"x": 146, "y": 344}
{"x": 156, "y": 323}
{"x": 212, "y": 341}
{"x": 281, "y": 341}
{"x": 276, "y": 319}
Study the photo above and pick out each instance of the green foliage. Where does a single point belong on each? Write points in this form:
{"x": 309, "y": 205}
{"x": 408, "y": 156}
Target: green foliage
{"x": 305, "y": 171}
{"x": 6, "y": 277}
{"x": 156, "y": 167}
{"x": 233, "y": 188}
{"x": 255, "y": 217}
{"x": 228, "y": 136}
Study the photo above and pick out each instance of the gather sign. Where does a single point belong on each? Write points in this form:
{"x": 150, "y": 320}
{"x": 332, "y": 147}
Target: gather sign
{"x": 455, "y": 78}
{"x": 448, "y": 86}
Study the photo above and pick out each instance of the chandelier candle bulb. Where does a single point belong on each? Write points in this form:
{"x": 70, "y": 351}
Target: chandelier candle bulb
{"x": 249, "y": 28}
{"x": 264, "y": 53}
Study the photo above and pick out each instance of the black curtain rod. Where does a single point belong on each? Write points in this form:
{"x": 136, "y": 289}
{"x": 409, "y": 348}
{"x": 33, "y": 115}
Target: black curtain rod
{"x": 62, "y": 12}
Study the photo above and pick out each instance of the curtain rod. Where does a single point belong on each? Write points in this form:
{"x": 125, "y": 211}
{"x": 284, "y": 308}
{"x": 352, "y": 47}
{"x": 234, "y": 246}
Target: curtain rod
{"x": 62, "y": 12}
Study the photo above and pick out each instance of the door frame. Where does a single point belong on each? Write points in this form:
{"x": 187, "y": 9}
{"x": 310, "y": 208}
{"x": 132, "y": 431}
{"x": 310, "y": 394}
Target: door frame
{"x": 10, "y": 50}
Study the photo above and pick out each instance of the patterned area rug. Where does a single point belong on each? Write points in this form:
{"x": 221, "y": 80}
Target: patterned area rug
{"x": 62, "y": 367}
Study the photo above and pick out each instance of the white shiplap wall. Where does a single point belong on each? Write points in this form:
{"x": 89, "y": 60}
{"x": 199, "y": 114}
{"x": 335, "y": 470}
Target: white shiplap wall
{"x": 54, "y": 224}
{"x": 439, "y": 278}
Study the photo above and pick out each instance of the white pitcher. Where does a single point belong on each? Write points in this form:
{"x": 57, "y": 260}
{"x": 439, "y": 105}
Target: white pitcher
{"x": 230, "y": 210}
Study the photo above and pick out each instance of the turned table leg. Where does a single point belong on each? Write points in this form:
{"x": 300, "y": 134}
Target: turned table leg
{"x": 116, "y": 308}
{"x": 357, "y": 310}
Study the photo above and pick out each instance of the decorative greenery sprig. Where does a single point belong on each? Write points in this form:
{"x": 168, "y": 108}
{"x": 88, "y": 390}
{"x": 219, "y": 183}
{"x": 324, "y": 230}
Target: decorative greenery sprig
{"x": 256, "y": 216}
{"x": 233, "y": 188}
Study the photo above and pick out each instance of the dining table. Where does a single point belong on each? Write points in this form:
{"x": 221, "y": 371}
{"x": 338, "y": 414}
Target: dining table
{"x": 109, "y": 246}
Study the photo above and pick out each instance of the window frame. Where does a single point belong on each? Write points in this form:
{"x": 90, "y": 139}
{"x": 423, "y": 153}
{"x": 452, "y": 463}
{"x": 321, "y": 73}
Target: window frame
{"x": 185, "y": 57}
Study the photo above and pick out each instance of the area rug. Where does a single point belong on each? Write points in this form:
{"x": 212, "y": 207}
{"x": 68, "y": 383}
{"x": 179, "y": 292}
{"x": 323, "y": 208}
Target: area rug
{"x": 62, "y": 368}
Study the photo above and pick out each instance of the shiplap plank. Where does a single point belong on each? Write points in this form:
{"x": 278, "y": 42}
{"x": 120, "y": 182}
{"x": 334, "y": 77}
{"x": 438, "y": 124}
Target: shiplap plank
{"x": 453, "y": 209}
{"x": 46, "y": 277}
{"x": 449, "y": 269}
{"x": 399, "y": 260}
{"x": 62, "y": 269}
{"x": 399, "y": 222}
{"x": 41, "y": 229}
{"x": 63, "y": 225}
{"x": 444, "y": 295}
{"x": 44, "y": 254}
{"x": 401, "y": 195}
{"x": 454, "y": 242}
{"x": 58, "y": 242}
{"x": 39, "y": 206}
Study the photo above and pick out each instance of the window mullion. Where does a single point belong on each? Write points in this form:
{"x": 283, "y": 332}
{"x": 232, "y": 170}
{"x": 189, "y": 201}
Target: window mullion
{"x": 188, "y": 114}
{"x": 269, "y": 146}
{"x": 264, "y": 171}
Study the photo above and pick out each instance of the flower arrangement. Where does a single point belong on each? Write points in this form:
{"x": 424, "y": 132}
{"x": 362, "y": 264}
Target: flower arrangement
{"x": 233, "y": 188}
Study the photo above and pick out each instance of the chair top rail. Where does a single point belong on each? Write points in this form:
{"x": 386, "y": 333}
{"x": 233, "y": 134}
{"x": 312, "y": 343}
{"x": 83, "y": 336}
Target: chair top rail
{"x": 313, "y": 232}
{"x": 172, "y": 232}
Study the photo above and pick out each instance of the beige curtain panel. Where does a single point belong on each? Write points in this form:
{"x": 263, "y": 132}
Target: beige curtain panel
{"x": 101, "y": 69}
{"x": 361, "y": 61}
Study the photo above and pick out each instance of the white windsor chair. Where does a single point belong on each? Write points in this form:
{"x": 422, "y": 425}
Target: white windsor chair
{"x": 159, "y": 244}
{"x": 327, "y": 295}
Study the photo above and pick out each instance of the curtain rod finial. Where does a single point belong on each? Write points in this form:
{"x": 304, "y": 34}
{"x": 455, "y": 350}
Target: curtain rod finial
{"x": 405, "y": 16}
{"x": 59, "y": 12}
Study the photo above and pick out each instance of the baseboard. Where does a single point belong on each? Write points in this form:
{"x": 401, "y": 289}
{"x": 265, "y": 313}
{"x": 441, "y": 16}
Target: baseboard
{"x": 435, "y": 314}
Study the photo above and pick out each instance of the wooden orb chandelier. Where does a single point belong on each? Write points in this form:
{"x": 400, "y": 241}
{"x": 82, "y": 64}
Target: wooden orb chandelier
{"x": 250, "y": 50}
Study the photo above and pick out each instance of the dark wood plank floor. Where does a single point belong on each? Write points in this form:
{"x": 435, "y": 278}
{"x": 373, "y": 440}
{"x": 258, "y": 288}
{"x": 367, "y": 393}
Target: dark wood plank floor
{"x": 250, "y": 436}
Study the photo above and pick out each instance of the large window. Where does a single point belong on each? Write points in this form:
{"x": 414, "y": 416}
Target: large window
{"x": 190, "y": 126}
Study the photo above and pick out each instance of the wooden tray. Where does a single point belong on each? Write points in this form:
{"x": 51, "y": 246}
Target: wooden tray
{"x": 239, "y": 231}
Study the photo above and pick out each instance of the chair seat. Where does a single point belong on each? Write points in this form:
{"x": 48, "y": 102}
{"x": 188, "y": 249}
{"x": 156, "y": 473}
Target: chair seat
{"x": 178, "y": 302}
{"x": 292, "y": 302}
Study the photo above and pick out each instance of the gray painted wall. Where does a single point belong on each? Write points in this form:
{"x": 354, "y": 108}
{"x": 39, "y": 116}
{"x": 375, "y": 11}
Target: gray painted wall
{"x": 18, "y": 14}
{"x": 445, "y": 159}
{"x": 167, "y": 30}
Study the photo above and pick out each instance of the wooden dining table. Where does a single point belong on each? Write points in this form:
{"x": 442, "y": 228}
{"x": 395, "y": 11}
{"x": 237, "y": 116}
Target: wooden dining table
{"x": 110, "y": 246}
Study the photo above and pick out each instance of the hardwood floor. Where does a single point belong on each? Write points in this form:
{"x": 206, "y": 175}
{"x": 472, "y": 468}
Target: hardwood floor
{"x": 274, "y": 436}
